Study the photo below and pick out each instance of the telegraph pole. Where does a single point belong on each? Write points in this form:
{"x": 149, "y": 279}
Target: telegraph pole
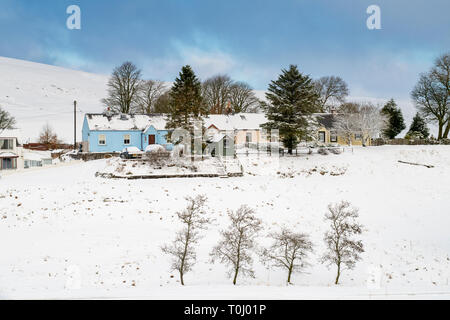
{"x": 75, "y": 125}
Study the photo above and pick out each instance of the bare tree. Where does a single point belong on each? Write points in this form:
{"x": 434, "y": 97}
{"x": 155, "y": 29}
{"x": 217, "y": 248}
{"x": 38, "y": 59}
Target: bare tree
{"x": 182, "y": 249}
{"x": 237, "y": 243}
{"x": 243, "y": 99}
{"x": 359, "y": 118}
{"x": 331, "y": 90}
{"x": 123, "y": 88}
{"x": 370, "y": 122}
{"x": 346, "y": 121}
{"x": 149, "y": 93}
{"x": 162, "y": 104}
{"x": 288, "y": 251}
{"x": 342, "y": 248}
{"x": 7, "y": 122}
{"x": 223, "y": 95}
{"x": 216, "y": 93}
{"x": 47, "y": 136}
{"x": 432, "y": 95}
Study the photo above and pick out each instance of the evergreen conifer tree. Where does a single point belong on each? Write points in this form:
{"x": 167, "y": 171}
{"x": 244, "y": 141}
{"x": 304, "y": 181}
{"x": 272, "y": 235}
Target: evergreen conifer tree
{"x": 292, "y": 100}
{"x": 395, "y": 123}
{"x": 186, "y": 102}
{"x": 418, "y": 128}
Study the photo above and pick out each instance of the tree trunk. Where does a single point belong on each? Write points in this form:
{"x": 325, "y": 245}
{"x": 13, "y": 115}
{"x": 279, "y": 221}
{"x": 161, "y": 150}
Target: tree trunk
{"x": 236, "y": 271}
{"x": 183, "y": 258}
{"x": 447, "y": 130}
{"x": 441, "y": 126}
{"x": 289, "y": 275}
{"x": 338, "y": 273}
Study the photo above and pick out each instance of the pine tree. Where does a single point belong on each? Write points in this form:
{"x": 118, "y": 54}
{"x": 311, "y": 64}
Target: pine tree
{"x": 395, "y": 124}
{"x": 186, "y": 102}
{"x": 418, "y": 128}
{"x": 292, "y": 100}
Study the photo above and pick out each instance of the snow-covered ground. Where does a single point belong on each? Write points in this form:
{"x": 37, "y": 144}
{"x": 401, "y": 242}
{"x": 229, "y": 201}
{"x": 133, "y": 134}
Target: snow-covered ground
{"x": 66, "y": 234}
{"x": 170, "y": 166}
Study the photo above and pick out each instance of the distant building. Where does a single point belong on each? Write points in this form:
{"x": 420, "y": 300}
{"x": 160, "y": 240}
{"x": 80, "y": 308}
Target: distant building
{"x": 327, "y": 134}
{"x": 33, "y": 158}
{"x": 10, "y": 153}
{"x": 221, "y": 145}
{"x": 113, "y": 132}
{"x": 244, "y": 128}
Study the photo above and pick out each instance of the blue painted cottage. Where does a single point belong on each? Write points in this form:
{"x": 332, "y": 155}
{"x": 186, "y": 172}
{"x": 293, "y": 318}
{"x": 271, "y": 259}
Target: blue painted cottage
{"x": 107, "y": 132}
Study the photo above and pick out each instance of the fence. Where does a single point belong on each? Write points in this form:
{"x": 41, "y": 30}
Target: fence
{"x": 267, "y": 149}
{"x": 401, "y": 141}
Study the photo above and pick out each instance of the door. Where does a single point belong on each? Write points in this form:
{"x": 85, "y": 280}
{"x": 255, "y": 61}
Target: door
{"x": 151, "y": 139}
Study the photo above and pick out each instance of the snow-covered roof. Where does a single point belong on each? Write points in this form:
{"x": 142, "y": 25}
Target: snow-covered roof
{"x": 37, "y": 155}
{"x": 137, "y": 122}
{"x": 142, "y": 122}
{"x": 217, "y": 137}
{"x": 325, "y": 119}
{"x": 8, "y": 155}
{"x": 239, "y": 121}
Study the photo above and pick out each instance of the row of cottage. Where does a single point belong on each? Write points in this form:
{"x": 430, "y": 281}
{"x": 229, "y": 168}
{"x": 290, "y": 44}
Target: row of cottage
{"x": 107, "y": 133}
{"x": 113, "y": 132}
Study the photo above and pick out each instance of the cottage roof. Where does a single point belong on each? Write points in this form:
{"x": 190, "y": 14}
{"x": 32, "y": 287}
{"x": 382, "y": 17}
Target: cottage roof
{"x": 118, "y": 122}
{"x": 326, "y": 119}
{"x": 239, "y": 121}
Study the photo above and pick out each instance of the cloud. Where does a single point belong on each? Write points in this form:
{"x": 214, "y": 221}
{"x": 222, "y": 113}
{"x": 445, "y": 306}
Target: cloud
{"x": 206, "y": 62}
{"x": 207, "y": 56}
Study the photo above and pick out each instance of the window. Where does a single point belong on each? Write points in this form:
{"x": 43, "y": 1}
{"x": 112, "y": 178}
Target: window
{"x": 6, "y": 144}
{"x": 102, "y": 139}
{"x": 358, "y": 136}
{"x": 126, "y": 139}
{"x": 333, "y": 137}
{"x": 322, "y": 136}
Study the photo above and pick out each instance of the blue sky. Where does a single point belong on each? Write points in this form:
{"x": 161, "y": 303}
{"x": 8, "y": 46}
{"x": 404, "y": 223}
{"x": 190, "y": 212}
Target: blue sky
{"x": 249, "y": 40}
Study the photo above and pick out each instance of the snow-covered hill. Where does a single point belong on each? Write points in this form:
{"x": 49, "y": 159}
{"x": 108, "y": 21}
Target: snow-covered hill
{"x": 36, "y": 93}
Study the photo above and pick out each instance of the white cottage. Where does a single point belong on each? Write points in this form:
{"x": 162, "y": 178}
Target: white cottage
{"x": 10, "y": 154}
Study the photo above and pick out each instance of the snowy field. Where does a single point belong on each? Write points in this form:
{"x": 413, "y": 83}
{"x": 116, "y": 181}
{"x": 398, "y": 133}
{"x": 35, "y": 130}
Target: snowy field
{"x": 66, "y": 234}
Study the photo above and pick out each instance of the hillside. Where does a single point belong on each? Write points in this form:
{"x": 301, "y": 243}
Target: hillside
{"x": 36, "y": 93}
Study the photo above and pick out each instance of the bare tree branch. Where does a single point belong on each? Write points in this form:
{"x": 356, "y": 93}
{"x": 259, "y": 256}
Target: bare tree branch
{"x": 332, "y": 90}
{"x": 237, "y": 243}
{"x": 182, "y": 249}
{"x": 123, "y": 88}
{"x": 288, "y": 251}
{"x": 342, "y": 249}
